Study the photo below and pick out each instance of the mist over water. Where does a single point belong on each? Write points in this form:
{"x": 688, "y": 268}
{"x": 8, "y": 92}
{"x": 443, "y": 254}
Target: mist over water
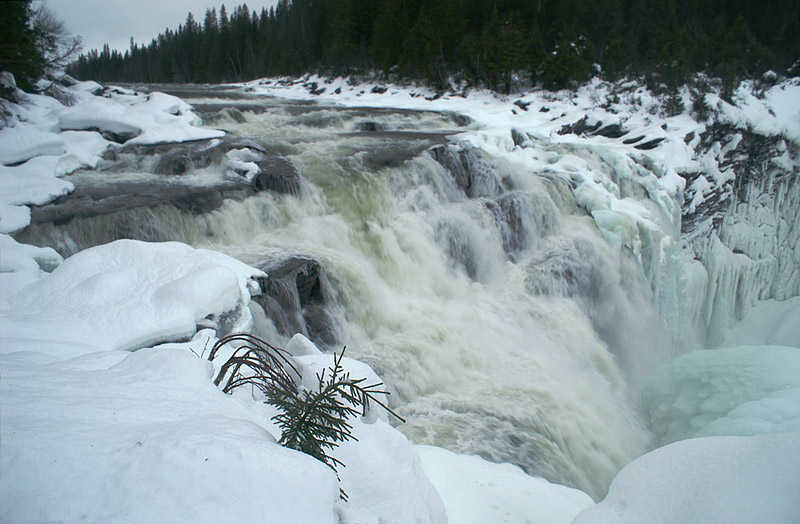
{"x": 502, "y": 320}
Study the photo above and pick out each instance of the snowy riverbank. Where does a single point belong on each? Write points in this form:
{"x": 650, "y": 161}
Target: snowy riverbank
{"x": 110, "y": 415}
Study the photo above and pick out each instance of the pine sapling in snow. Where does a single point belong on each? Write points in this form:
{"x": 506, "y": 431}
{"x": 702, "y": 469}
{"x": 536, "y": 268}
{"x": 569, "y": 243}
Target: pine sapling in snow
{"x": 313, "y": 421}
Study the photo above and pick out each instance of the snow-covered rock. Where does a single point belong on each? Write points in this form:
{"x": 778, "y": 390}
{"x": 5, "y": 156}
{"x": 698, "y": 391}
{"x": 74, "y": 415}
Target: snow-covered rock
{"x": 23, "y": 142}
{"x": 747, "y": 480}
{"x": 51, "y": 140}
{"x": 126, "y": 295}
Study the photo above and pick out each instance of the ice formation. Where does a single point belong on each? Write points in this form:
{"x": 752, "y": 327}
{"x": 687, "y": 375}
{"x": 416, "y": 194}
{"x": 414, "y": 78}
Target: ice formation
{"x": 747, "y": 390}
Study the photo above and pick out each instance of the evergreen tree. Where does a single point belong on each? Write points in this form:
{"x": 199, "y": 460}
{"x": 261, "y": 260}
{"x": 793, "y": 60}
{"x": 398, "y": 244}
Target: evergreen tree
{"x": 19, "y": 54}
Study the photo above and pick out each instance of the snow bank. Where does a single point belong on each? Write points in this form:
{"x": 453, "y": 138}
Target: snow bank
{"x": 745, "y": 390}
{"x": 126, "y": 295}
{"x": 113, "y": 436}
{"x": 145, "y": 437}
{"x": 34, "y": 182}
{"x": 476, "y": 491}
{"x": 24, "y": 142}
{"x": 21, "y": 265}
{"x": 770, "y": 322}
{"x": 747, "y": 480}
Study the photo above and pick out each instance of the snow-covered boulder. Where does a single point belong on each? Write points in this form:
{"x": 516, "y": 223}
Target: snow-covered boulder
{"x": 746, "y": 480}
{"x": 23, "y": 142}
{"x": 746, "y": 390}
{"x": 34, "y": 182}
{"x": 126, "y": 295}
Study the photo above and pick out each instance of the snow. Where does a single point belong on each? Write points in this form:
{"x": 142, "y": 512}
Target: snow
{"x": 33, "y": 182}
{"x": 384, "y": 478}
{"x": 20, "y": 265}
{"x": 145, "y": 437}
{"x": 775, "y": 112}
{"x": 14, "y": 218}
{"x": 745, "y": 390}
{"x": 747, "y": 480}
{"x": 770, "y": 322}
{"x": 476, "y": 491}
{"x": 152, "y": 119}
{"x": 126, "y": 295}
{"x": 24, "y": 142}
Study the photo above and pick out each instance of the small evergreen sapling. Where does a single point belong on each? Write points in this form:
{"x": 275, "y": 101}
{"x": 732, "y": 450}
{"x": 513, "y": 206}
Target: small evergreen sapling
{"x": 316, "y": 421}
{"x": 313, "y": 421}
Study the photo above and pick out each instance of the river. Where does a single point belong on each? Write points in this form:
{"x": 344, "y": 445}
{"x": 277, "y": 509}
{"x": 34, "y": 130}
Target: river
{"x": 504, "y": 322}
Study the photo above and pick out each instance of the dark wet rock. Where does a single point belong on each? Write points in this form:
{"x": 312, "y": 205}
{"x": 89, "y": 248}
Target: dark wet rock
{"x": 461, "y": 120}
{"x": 753, "y": 170}
{"x": 581, "y": 127}
{"x": 166, "y": 159}
{"x": 629, "y": 141}
{"x": 234, "y": 114}
{"x": 119, "y": 138}
{"x": 179, "y": 160}
{"x": 379, "y": 90}
{"x": 650, "y": 144}
{"x": 458, "y": 246}
{"x": 611, "y": 131}
{"x": 278, "y": 175}
{"x": 294, "y": 297}
{"x": 521, "y": 138}
{"x": 152, "y": 212}
{"x": 114, "y": 198}
{"x": 470, "y": 170}
{"x": 576, "y": 269}
{"x": 313, "y": 88}
{"x": 370, "y": 126}
{"x": 385, "y": 157}
{"x": 509, "y": 217}
{"x": 246, "y": 143}
{"x": 522, "y": 105}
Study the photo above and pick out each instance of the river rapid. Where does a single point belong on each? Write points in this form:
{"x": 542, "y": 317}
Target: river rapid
{"x": 503, "y": 321}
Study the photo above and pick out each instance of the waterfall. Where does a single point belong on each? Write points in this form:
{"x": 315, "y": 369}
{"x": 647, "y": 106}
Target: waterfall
{"x": 505, "y": 322}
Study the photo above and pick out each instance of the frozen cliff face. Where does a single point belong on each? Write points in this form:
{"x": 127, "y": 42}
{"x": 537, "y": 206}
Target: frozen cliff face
{"x": 744, "y": 226}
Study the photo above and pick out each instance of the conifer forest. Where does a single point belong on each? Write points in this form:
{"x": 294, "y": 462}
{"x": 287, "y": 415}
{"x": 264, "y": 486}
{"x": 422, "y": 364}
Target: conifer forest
{"x": 477, "y": 42}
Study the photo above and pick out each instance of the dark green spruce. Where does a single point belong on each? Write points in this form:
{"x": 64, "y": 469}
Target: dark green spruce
{"x": 488, "y": 42}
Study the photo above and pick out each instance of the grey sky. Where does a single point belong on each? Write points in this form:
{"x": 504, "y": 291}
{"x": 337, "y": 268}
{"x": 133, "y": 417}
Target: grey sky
{"x": 116, "y": 21}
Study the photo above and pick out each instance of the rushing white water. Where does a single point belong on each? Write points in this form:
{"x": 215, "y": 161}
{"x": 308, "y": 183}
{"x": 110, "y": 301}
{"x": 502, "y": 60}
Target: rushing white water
{"x": 504, "y": 321}
{"x": 500, "y": 322}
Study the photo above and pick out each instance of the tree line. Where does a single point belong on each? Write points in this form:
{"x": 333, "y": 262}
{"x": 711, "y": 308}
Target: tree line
{"x": 481, "y": 42}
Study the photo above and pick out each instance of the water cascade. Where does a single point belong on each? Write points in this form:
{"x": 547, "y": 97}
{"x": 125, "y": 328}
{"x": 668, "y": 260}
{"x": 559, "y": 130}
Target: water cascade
{"x": 505, "y": 322}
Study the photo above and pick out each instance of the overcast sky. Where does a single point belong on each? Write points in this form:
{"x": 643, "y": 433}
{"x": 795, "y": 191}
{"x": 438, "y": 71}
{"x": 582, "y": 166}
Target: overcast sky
{"x": 115, "y": 21}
